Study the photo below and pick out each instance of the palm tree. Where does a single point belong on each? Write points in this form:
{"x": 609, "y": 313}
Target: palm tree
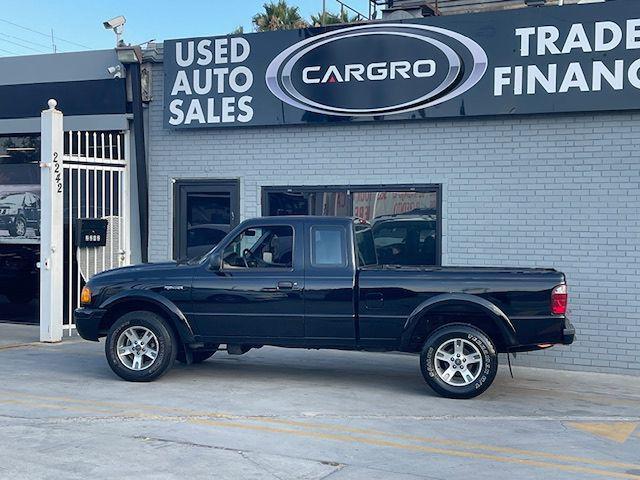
{"x": 331, "y": 18}
{"x": 278, "y": 16}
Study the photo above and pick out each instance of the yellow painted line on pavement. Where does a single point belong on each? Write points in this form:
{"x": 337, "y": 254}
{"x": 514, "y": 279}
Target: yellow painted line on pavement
{"x": 617, "y": 431}
{"x": 151, "y": 412}
{"x": 54, "y": 406}
{"x": 419, "y": 448}
{"x": 459, "y": 443}
{"x": 120, "y": 406}
{"x": 19, "y": 345}
{"x": 39, "y": 344}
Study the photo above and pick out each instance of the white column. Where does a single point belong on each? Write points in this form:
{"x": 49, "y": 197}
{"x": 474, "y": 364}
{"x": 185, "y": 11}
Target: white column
{"x": 51, "y": 225}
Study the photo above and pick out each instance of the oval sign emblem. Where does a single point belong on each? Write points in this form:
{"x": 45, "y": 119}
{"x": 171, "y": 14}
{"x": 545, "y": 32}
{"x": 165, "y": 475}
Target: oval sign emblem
{"x": 376, "y": 69}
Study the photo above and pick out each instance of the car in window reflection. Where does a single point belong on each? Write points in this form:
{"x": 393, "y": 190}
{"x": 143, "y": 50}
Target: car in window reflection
{"x": 19, "y": 211}
{"x": 407, "y": 238}
{"x": 203, "y": 237}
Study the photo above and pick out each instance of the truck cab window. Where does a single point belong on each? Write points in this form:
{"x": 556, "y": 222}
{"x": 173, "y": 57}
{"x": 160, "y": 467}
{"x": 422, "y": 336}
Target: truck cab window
{"x": 328, "y": 247}
{"x": 260, "y": 247}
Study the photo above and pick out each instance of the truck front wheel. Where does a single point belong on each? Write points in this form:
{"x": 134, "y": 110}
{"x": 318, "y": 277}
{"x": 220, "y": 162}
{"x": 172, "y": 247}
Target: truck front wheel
{"x": 140, "y": 347}
{"x": 459, "y": 361}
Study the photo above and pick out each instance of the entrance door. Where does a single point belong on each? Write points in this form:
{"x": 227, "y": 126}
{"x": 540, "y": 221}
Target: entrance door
{"x": 204, "y": 212}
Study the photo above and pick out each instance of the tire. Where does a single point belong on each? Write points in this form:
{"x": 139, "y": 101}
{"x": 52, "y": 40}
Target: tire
{"x": 19, "y": 228}
{"x": 198, "y": 356}
{"x": 453, "y": 378}
{"x": 162, "y": 341}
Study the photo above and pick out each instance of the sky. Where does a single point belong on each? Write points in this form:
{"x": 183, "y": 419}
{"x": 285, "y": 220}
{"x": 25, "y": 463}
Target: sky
{"x": 25, "y": 25}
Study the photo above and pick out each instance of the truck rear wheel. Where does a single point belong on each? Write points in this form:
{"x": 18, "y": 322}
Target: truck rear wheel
{"x": 459, "y": 361}
{"x": 140, "y": 347}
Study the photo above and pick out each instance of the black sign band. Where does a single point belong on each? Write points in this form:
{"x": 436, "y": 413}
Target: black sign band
{"x": 580, "y": 58}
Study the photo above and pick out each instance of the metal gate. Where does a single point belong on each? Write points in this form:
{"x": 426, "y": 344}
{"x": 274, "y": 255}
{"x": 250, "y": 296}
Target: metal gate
{"x": 95, "y": 178}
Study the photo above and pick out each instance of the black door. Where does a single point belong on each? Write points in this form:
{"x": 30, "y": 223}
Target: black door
{"x": 258, "y": 291}
{"x": 329, "y": 287}
{"x": 204, "y": 212}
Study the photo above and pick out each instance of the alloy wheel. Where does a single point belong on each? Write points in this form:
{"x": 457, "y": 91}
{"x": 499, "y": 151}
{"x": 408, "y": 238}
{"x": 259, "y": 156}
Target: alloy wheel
{"x": 137, "y": 348}
{"x": 458, "y": 362}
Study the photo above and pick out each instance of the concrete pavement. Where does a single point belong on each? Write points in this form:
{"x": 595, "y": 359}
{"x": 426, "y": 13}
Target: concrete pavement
{"x": 290, "y": 414}
{"x": 16, "y": 334}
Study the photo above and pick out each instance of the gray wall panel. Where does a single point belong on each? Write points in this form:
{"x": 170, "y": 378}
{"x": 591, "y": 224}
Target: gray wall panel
{"x": 58, "y": 67}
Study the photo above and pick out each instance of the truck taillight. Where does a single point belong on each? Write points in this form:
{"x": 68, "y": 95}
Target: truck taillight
{"x": 559, "y": 300}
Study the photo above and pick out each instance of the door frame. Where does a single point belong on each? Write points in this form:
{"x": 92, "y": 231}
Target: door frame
{"x": 183, "y": 186}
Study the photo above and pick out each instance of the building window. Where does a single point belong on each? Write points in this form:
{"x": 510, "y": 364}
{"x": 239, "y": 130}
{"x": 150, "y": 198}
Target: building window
{"x": 405, "y": 219}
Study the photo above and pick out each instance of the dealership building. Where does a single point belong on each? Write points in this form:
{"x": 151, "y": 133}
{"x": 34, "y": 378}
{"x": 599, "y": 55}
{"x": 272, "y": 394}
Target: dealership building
{"x": 505, "y": 137}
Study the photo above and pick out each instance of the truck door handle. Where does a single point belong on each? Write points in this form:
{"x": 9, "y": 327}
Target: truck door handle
{"x": 287, "y": 285}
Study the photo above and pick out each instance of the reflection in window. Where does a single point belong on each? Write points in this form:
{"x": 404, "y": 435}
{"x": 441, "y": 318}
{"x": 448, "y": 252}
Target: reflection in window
{"x": 208, "y": 220}
{"x": 365, "y": 246}
{"x": 329, "y": 204}
{"x": 19, "y": 188}
{"x": 328, "y": 248}
{"x": 263, "y": 247}
{"x": 404, "y": 223}
{"x": 371, "y": 205}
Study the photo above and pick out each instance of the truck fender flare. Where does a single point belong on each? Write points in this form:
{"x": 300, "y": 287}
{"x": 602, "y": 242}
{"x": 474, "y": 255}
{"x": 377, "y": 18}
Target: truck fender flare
{"x": 172, "y": 312}
{"x": 500, "y": 319}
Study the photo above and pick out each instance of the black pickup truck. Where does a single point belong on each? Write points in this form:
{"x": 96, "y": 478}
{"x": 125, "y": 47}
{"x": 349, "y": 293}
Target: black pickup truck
{"x": 315, "y": 282}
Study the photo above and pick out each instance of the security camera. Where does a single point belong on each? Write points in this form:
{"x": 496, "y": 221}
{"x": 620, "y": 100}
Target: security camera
{"x": 115, "y": 71}
{"x": 115, "y": 22}
{"x": 117, "y": 25}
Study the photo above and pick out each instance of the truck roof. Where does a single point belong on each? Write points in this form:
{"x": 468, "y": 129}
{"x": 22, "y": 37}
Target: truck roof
{"x": 318, "y": 219}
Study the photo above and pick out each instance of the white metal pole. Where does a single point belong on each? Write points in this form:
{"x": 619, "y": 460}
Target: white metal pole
{"x": 51, "y": 225}
{"x": 125, "y": 203}
{"x": 324, "y": 12}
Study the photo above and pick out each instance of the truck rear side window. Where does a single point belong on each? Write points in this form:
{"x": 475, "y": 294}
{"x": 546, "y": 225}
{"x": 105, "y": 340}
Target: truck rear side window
{"x": 365, "y": 246}
{"x": 328, "y": 247}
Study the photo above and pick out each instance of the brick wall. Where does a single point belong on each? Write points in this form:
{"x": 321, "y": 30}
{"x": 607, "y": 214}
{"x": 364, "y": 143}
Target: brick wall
{"x": 556, "y": 191}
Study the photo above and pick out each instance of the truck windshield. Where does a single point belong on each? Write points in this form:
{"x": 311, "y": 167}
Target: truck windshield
{"x": 365, "y": 247}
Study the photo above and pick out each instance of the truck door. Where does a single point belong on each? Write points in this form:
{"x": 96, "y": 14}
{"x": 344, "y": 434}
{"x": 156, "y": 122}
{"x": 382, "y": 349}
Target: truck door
{"x": 329, "y": 285}
{"x": 258, "y": 291}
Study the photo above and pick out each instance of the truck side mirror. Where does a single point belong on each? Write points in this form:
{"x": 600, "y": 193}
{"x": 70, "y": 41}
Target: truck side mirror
{"x": 215, "y": 261}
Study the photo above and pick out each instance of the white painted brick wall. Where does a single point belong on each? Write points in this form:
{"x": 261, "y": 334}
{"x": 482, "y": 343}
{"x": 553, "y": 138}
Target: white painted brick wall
{"x": 556, "y": 191}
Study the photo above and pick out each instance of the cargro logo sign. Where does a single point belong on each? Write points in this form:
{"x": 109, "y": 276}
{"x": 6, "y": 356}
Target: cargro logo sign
{"x": 376, "y": 69}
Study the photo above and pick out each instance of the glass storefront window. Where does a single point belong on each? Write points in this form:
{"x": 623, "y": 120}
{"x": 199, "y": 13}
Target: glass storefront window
{"x": 309, "y": 203}
{"x": 19, "y": 189}
{"x": 404, "y": 220}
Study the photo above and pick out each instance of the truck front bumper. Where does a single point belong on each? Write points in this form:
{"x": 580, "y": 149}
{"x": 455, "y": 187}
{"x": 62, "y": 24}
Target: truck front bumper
{"x": 87, "y": 322}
